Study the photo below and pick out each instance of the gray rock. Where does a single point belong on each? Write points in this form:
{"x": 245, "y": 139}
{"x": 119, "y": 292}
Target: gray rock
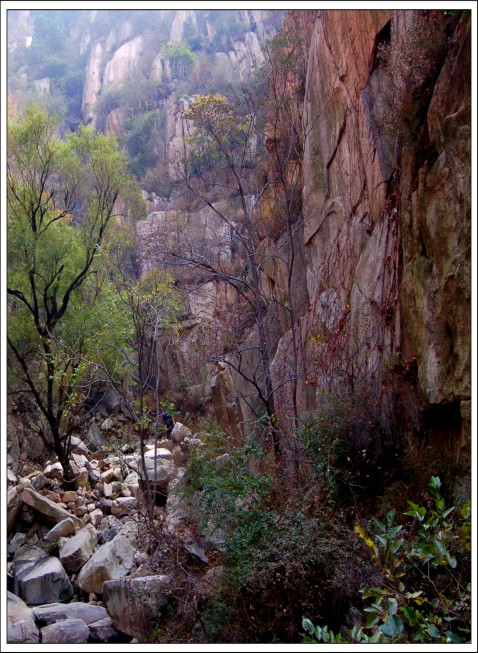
{"x": 17, "y": 541}
{"x": 103, "y": 631}
{"x": 109, "y": 403}
{"x": 214, "y": 538}
{"x": 26, "y": 558}
{"x": 123, "y": 505}
{"x": 39, "y": 481}
{"x": 40, "y": 578}
{"x": 107, "y": 424}
{"x": 47, "y": 508}
{"x": 111, "y": 561}
{"x": 80, "y": 460}
{"x": 96, "y": 516}
{"x": 107, "y": 535}
{"x": 105, "y": 506}
{"x": 12, "y": 478}
{"x": 70, "y": 631}
{"x": 64, "y": 528}
{"x": 95, "y": 437}
{"x": 14, "y": 505}
{"x": 158, "y": 469}
{"x": 135, "y": 604}
{"x": 160, "y": 452}
{"x": 21, "y": 628}
{"x": 212, "y": 580}
{"x": 78, "y": 446}
{"x": 180, "y": 432}
{"x": 53, "y": 612}
{"x": 131, "y": 479}
{"x": 80, "y": 473}
{"x": 194, "y": 549}
{"x": 78, "y": 549}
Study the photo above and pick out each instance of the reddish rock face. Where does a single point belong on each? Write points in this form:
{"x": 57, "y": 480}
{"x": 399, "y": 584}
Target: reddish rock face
{"x": 387, "y": 219}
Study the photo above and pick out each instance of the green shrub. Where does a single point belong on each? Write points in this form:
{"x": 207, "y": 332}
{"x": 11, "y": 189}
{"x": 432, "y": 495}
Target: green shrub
{"x": 421, "y": 594}
{"x": 181, "y": 58}
{"x": 279, "y": 560}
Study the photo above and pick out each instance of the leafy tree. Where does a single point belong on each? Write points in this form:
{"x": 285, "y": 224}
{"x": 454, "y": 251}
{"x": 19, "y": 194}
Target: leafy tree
{"x": 228, "y": 137}
{"x": 154, "y": 307}
{"x": 181, "y": 57}
{"x": 62, "y": 197}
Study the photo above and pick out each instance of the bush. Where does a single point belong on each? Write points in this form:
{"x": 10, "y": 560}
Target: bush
{"x": 422, "y": 593}
{"x": 181, "y": 57}
{"x": 279, "y": 559}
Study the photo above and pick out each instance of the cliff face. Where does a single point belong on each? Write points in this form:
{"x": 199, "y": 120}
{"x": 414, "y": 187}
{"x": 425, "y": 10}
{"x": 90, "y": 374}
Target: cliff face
{"x": 387, "y": 225}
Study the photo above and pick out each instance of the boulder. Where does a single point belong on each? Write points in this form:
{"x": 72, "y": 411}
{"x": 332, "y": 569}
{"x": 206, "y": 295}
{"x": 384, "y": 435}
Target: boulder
{"x": 21, "y": 628}
{"x": 95, "y": 437}
{"x": 53, "y": 612}
{"x": 107, "y": 424}
{"x": 17, "y": 541}
{"x": 109, "y": 403}
{"x": 103, "y": 631}
{"x": 160, "y": 452}
{"x": 70, "y": 631}
{"x": 180, "y": 432}
{"x": 80, "y": 473}
{"x": 155, "y": 477}
{"x": 64, "y": 528}
{"x": 78, "y": 549}
{"x": 96, "y": 516}
{"x": 107, "y": 535}
{"x": 123, "y": 505}
{"x": 136, "y": 604}
{"x": 54, "y": 471}
{"x": 26, "y": 558}
{"x": 71, "y": 495}
{"x": 47, "y": 508}
{"x": 39, "y": 481}
{"x": 40, "y": 578}
{"x": 80, "y": 460}
{"x": 212, "y": 580}
{"x": 111, "y": 561}
{"x": 131, "y": 480}
{"x": 12, "y": 478}
{"x": 78, "y": 446}
{"x": 107, "y": 476}
{"x": 105, "y": 506}
{"x": 14, "y": 505}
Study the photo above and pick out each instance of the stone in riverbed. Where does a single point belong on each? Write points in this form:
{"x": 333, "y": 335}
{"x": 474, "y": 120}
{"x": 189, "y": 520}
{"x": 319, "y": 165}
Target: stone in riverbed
{"x": 49, "y": 509}
{"x": 40, "y": 578}
{"x": 70, "y": 631}
{"x": 78, "y": 549}
{"x": 53, "y": 612}
{"x": 21, "y": 628}
{"x": 111, "y": 561}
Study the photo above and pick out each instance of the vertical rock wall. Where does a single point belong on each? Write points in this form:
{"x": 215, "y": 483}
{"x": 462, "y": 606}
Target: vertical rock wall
{"x": 386, "y": 229}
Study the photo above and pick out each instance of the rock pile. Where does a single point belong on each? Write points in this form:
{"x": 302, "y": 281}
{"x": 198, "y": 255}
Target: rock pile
{"x": 81, "y": 567}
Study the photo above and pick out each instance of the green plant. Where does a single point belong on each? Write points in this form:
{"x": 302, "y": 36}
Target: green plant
{"x": 318, "y": 634}
{"x": 421, "y": 597}
{"x": 181, "y": 58}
